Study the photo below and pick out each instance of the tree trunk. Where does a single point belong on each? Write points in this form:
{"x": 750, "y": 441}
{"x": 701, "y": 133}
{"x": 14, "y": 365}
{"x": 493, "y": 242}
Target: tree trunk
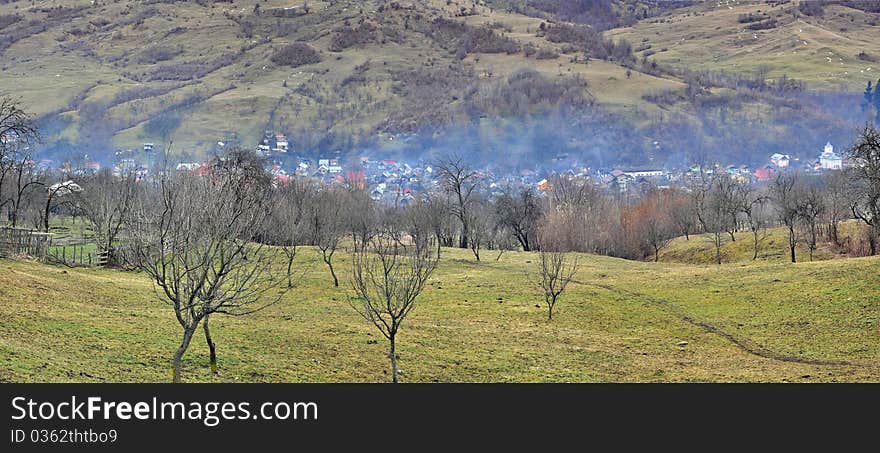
{"x": 329, "y": 262}
{"x": 289, "y": 270}
{"x": 791, "y": 243}
{"x": 46, "y": 218}
{"x": 211, "y": 347}
{"x": 392, "y": 353}
{"x": 333, "y": 273}
{"x": 178, "y": 354}
{"x": 755, "y": 255}
{"x": 656, "y": 254}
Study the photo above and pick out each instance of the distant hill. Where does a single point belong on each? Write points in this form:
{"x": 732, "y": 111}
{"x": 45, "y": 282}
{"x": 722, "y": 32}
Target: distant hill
{"x": 527, "y": 79}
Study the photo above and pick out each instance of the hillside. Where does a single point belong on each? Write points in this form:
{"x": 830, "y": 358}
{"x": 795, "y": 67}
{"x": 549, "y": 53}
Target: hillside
{"x": 836, "y": 50}
{"x": 348, "y": 76}
{"x": 620, "y": 321}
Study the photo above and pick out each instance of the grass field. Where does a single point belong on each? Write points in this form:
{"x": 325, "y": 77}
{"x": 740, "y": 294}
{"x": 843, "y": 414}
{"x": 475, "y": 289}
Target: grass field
{"x": 823, "y": 51}
{"x": 620, "y": 321}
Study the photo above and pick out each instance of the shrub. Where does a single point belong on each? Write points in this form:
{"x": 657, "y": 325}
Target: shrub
{"x": 296, "y": 54}
{"x": 546, "y": 54}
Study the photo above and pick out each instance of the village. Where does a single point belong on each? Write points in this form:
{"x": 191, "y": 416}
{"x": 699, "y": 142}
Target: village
{"x": 394, "y": 181}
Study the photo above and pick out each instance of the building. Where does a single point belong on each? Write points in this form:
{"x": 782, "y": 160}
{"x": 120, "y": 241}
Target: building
{"x": 780, "y": 160}
{"x": 281, "y": 143}
{"x": 644, "y": 173}
{"x": 829, "y": 160}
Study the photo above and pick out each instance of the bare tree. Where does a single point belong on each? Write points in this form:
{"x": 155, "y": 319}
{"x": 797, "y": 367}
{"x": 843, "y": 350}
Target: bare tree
{"x": 21, "y": 170}
{"x": 387, "y": 278}
{"x": 194, "y": 236}
{"x": 17, "y": 131}
{"x": 479, "y": 228}
{"x": 288, "y": 222}
{"x": 714, "y": 196}
{"x": 865, "y": 174}
{"x": 837, "y": 202}
{"x": 784, "y": 191}
{"x": 55, "y": 191}
{"x": 556, "y": 268}
{"x": 327, "y": 225}
{"x": 520, "y": 212}
{"x": 459, "y": 181}
{"x": 756, "y": 208}
{"x": 105, "y": 200}
{"x": 361, "y": 216}
{"x": 429, "y": 214}
{"x": 682, "y": 213}
{"x": 810, "y": 208}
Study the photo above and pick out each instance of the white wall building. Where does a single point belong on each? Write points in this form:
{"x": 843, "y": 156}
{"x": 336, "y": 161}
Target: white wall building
{"x": 780, "y": 160}
{"x": 643, "y": 173}
{"x": 829, "y": 160}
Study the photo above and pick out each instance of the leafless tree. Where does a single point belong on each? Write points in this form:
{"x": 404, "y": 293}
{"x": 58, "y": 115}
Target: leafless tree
{"x": 194, "y": 236}
{"x": 683, "y": 213}
{"x": 865, "y": 174}
{"x": 387, "y": 278}
{"x": 17, "y": 132}
{"x": 460, "y": 182}
{"x": 287, "y": 225}
{"x": 520, "y": 213}
{"x": 784, "y": 191}
{"x": 837, "y": 201}
{"x": 479, "y": 228}
{"x": 556, "y": 267}
{"x": 714, "y": 196}
{"x": 55, "y": 191}
{"x": 26, "y": 179}
{"x": 327, "y": 225}
{"x": 105, "y": 200}
{"x": 810, "y": 208}
{"x": 755, "y": 208}
{"x": 361, "y": 215}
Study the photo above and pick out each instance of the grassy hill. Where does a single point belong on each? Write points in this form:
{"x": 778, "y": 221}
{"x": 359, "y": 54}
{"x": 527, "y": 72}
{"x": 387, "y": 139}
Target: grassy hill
{"x": 837, "y": 50}
{"x": 102, "y": 74}
{"x": 620, "y": 321}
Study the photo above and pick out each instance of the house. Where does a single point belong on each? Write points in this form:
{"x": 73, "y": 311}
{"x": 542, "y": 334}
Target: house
{"x": 191, "y": 166}
{"x": 765, "y": 173}
{"x": 149, "y": 147}
{"x": 355, "y": 180}
{"x": 644, "y": 173}
{"x": 780, "y": 160}
{"x": 281, "y": 143}
{"x": 829, "y": 160}
{"x": 543, "y": 184}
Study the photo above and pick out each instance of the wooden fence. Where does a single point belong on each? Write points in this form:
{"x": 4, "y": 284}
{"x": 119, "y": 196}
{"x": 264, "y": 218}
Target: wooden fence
{"x": 58, "y": 247}
{"x": 23, "y": 242}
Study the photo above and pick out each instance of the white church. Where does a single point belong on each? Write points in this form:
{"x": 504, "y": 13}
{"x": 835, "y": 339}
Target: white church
{"x": 829, "y": 160}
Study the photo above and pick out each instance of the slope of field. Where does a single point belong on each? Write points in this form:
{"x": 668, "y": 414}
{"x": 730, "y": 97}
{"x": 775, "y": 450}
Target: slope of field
{"x": 124, "y": 73}
{"x": 620, "y": 321}
{"x": 107, "y": 75}
{"x": 838, "y": 50}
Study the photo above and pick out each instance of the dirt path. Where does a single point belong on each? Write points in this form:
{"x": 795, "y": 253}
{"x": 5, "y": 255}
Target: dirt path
{"x": 745, "y": 344}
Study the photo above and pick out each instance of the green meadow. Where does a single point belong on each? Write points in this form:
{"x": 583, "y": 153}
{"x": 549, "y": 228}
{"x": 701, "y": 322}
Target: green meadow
{"x": 619, "y": 321}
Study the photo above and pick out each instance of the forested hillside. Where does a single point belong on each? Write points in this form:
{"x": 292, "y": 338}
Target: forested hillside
{"x": 615, "y": 82}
